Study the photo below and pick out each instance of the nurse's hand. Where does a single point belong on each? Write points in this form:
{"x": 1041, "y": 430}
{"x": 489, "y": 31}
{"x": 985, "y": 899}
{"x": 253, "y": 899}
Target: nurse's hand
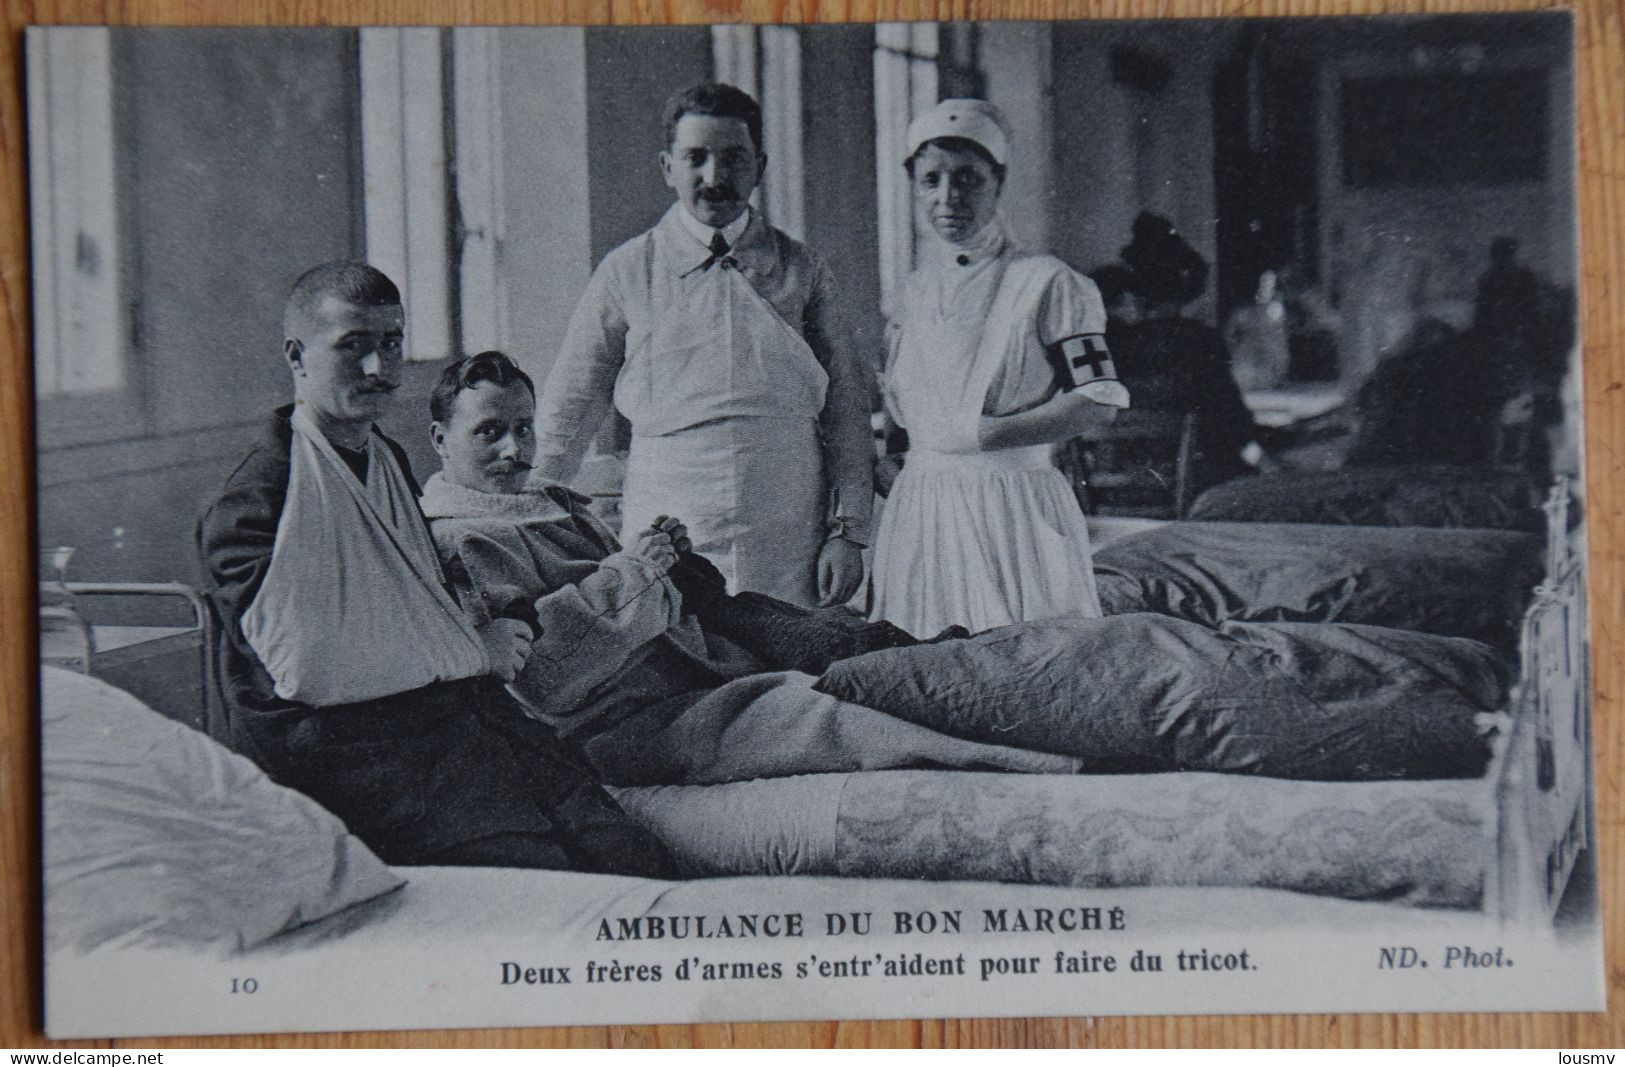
{"x": 1070, "y": 414}
{"x": 840, "y": 571}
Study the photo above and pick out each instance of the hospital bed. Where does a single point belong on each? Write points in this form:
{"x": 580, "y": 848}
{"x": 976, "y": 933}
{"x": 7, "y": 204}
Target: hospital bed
{"x": 210, "y": 861}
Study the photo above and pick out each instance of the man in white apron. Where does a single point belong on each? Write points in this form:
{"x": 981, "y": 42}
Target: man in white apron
{"x": 717, "y": 338}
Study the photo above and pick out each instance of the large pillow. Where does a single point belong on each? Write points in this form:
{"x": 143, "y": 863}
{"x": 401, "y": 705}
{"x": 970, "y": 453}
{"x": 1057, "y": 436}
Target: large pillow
{"x": 155, "y": 835}
{"x": 1152, "y": 693}
{"x": 1461, "y": 583}
{"x": 1410, "y": 495}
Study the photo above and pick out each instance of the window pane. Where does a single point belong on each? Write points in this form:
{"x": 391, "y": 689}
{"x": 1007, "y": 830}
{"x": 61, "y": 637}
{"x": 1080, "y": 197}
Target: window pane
{"x": 404, "y": 159}
{"x": 78, "y": 340}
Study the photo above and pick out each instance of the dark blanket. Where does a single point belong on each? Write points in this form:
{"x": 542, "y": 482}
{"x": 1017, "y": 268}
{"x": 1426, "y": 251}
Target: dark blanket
{"x": 1136, "y": 693}
{"x": 1412, "y": 495}
{"x": 1459, "y": 583}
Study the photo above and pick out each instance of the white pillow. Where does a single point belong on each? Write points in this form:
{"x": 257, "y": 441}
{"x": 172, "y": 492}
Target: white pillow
{"x": 155, "y": 835}
{"x": 765, "y": 826}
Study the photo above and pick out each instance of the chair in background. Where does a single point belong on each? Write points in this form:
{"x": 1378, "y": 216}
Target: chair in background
{"x": 1139, "y": 466}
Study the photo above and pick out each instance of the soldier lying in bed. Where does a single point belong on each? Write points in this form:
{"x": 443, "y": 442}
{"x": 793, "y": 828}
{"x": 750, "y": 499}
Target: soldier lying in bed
{"x": 640, "y": 657}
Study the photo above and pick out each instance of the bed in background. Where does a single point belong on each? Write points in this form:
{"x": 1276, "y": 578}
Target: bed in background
{"x": 1415, "y": 495}
{"x": 1472, "y": 583}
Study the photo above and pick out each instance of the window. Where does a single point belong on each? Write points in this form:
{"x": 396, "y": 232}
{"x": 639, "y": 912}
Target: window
{"x": 477, "y": 113}
{"x": 905, "y": 86}
{"x": 404, "y": 161}
{"x": 1444, "y": 129}
{"x": 432, "y": 153}
{"x": 79, "y": 341}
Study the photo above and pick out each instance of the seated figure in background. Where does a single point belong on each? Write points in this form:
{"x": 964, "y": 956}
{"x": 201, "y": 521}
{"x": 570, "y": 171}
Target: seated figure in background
{"x": 1176, "y": 364}
{"x": 1504, "y": 372}
{"x": 631, "y": 662}
{"x": 349, "y": 669}
{"x": 1256, "y": 336}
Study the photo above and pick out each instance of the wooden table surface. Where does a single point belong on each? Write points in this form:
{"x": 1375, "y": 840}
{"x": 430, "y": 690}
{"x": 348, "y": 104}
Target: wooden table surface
{"x": 1601, "y": 63}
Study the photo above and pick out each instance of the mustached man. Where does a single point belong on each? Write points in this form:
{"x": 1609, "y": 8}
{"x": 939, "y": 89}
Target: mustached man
{"x": 716, "y": 336}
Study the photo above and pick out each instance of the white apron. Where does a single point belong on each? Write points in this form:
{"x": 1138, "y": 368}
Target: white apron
{"x": 972, "y": 538}
{"x": 726, "y": 397}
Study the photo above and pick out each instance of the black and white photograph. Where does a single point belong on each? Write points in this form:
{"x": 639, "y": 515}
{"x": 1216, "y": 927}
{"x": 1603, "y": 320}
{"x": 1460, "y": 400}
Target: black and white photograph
{"x": 586, "y": 525}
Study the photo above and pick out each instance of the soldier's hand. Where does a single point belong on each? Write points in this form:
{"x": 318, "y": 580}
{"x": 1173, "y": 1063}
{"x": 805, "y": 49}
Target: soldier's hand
{"x": 677, "y": 531}
{"x": 507, "y": 647}
{"x": 656, "y": 547}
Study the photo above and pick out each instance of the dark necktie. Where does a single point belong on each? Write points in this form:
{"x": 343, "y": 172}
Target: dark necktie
{"x": 719, "y": 253}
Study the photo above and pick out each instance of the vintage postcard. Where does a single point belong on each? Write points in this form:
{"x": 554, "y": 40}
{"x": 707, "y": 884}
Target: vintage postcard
{"x": 552, "y": 525}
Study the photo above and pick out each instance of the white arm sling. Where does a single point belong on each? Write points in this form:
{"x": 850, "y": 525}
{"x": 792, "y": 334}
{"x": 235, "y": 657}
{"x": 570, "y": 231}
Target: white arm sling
{"x": 353, "y": 606}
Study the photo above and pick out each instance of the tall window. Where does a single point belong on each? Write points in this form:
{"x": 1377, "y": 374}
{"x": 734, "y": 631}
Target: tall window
{"x": 479, "y": 221}
{"x": 404, "y": 162}
{"x": 905, "y": 85}
{"x": 79, "y": 340}
{"x": 765, "y": 61}
{"x": 431, "y": 121}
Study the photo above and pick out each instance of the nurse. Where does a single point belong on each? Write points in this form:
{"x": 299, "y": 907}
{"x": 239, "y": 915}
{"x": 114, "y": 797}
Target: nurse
{"x": 997, "y": 354}
{"x": 716, "y": 336}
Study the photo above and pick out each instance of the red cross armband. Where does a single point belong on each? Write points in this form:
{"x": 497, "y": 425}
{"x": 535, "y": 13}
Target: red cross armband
{"x": 1080, "y": 360}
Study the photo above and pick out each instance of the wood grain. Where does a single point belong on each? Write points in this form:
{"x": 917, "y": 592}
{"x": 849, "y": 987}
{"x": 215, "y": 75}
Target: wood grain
{"x": 1601, "y": 66}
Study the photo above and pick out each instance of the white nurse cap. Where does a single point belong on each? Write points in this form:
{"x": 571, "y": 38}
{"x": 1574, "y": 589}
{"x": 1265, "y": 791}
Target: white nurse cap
{"x": 974, "y": 120}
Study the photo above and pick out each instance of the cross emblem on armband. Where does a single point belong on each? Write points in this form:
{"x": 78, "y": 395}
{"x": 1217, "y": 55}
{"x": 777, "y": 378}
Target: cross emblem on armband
{"x": 1082, "y": 359}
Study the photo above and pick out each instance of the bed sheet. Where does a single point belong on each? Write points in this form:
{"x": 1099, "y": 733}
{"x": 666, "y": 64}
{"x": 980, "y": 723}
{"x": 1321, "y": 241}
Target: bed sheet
{"x": 1424, "y": 843}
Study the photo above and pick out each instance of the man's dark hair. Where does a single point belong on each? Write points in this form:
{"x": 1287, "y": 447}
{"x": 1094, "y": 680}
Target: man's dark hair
{"x": 1115, "y": 281}
{"x": 1166, "y": 268}
{"x": 717, "y": 100}
{"x": 353, "y": 282}
{"x": 958, "y": 144}
{"x": 493, "y": 367}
